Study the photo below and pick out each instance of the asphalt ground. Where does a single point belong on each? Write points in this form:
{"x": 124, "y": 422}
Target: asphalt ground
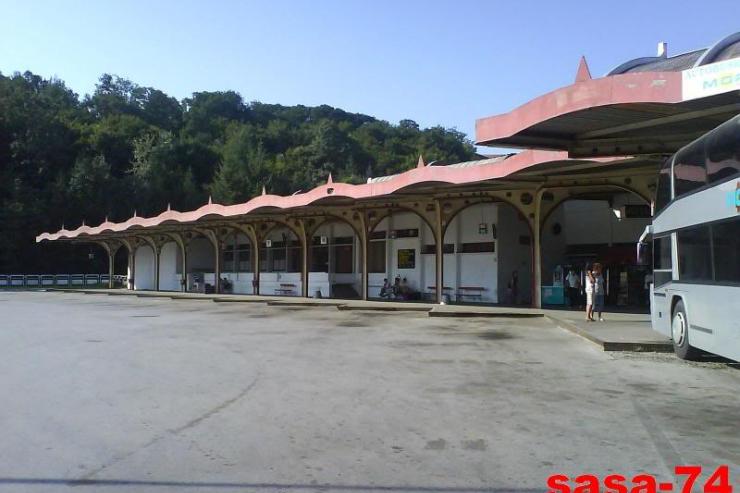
{"x": 128, "y": 394}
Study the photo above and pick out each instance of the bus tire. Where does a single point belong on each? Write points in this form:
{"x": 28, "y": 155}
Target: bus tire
{"x": 680, "y": 334}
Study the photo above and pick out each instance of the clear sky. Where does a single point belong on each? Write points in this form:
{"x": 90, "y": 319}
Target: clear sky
{"x": 436, "y": 62}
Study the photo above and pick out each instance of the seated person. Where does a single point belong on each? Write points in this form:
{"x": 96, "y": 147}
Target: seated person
{"x": 405, "y": 289}
{"x": 407, "y": 292}
{"x": 396, "y": 288}
{"x": 385, "y": 290}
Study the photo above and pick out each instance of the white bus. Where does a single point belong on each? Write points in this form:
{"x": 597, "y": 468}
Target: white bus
{"x": 695, "y": 297}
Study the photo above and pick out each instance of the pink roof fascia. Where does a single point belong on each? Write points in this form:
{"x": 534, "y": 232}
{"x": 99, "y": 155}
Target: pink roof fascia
{"x": 430, "y": 174}
{"x": 641, "y": 87}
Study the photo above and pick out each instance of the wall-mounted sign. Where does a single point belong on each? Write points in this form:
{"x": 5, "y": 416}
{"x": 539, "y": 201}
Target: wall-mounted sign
{"x": 483, "y": 229}
{"x": 324, "y": 240}
{"x": 733, "y": 197}
{"x": 268, "y": 243}
{"x": 407, "y": 258}
{"x": 710, "y": 79}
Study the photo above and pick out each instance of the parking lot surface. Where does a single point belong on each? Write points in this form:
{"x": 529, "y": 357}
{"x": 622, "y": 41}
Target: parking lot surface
{"x": 114, "y": 393}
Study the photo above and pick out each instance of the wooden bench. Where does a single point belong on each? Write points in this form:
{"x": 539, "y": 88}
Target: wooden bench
{"x": 473, "y": 292}
{"x": 286, "y": 289}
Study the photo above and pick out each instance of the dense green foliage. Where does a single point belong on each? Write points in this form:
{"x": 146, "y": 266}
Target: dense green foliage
{"x": 64, "y": 159}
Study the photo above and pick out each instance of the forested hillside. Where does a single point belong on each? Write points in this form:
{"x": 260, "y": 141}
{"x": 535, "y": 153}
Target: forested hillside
{"x": 64, "y": 158}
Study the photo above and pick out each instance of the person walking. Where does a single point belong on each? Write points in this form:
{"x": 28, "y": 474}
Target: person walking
{"x": 589, "y": 290}
{"x": 598, "y": 278}
{"x": 573, "y": 283}
{"x": 513, "y": 288}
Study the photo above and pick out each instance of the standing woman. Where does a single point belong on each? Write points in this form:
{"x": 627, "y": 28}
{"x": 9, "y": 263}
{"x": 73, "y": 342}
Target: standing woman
{"x": 589, "y": 290}
{"x": 598, "y": 291}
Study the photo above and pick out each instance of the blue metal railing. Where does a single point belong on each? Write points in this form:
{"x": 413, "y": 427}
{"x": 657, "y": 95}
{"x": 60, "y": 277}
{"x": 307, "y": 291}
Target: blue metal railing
{"x": 51, "y": 280}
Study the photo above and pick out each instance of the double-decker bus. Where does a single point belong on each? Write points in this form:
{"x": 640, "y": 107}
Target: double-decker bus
{"x": 695, "y": 296}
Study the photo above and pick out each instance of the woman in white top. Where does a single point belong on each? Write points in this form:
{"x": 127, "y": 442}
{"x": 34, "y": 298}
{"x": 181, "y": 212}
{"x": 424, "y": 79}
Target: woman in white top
{"x": 598, "y": 300}
{"x": 589, "y": 289}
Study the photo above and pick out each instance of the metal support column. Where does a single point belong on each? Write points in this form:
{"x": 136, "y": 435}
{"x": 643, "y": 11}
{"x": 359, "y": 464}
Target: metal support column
{"x": 438, "y": 252}
{"x": 184, "y": 251}
{"x": 537, "y": 260}
{"x": 365, "y": 276}
{"x": 131, "y": 268}
{"x": 256, "y": 266}
{"x": 157, "y": 252}
{"x": 304, "y": 264}
{"x": 217, "y": 264}
{"x": 111, "y": 259}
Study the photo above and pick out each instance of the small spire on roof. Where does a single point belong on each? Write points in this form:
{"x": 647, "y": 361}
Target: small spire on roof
{"x": 83, "y": 222}
{"x": 662, "y": 49}
{"x": 62, "y": 224}
{"x": 169, "y": 207}
{"x": 421, "y": 163}
{"x": 329, "y": 181}
{"x": 135, "y": 213}
{"x": 106, "y": 219}
{"x": 583, "y": 72}
{"x": 264, "y": 191}
{"x": 210, "y": 200}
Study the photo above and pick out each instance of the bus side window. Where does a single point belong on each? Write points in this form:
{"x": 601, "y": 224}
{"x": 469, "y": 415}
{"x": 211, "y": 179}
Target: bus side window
{"x": 689, "y": 171}
{"x": 694, "y": 254}
{"x": 662, "y": 264}
{"x": 726, "y": 242}
{"x": 723, "y": 151}
{"x": 663, "y": 192}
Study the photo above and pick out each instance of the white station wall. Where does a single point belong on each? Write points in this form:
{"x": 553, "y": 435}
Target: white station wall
{"x": 322, "y": 281}
{"x": 594, "y": 222}
{"x": 474, "y": 269}
{"x": 515, "y": 254}
{"x": 169, "y": 279}
{"x": 144, "y": 268}
{"x": 241, "y": 281}
{"x": 271, "y": 281}
{"x": 460, "y": 269}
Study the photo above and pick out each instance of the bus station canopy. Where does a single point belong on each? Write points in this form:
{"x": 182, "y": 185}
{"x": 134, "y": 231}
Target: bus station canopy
{"x": 647, "y": 105}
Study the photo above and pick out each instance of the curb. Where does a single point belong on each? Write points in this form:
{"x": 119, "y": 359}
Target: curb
{"x": 183, "y": 298}
{"x": 383, "y": 308}
{"x": 310, "y": 304}
{"x": 471, "y": 314}
{"x": 610, "y": 346}
{"x": 238, "y": 300}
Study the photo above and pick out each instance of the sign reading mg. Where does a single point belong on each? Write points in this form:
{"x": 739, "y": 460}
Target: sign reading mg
{"x": 713, "y": 78}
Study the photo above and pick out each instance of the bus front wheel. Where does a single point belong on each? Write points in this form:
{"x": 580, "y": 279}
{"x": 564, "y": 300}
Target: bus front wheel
{"x": 680, "y": 334}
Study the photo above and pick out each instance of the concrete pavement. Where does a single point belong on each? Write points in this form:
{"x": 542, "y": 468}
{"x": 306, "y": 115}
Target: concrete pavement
{"x": 140, "y": 394}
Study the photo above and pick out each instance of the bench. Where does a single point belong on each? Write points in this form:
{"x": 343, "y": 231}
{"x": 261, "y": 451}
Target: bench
{"x": 432, "y": 292}
{"x": 286, "y": 289}
{"x": 472, "y": 292}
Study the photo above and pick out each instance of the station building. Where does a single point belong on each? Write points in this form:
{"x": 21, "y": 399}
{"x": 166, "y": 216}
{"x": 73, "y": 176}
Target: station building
{"x": 501, "y": 230}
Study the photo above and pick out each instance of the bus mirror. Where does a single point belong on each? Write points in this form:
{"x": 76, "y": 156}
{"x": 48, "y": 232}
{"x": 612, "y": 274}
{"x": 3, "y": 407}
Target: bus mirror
{"x": 643, "y": 253}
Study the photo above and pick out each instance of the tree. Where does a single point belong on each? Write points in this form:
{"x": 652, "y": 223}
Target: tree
{"x": 244, "y": 170}
{"x": 129, "y": 147}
